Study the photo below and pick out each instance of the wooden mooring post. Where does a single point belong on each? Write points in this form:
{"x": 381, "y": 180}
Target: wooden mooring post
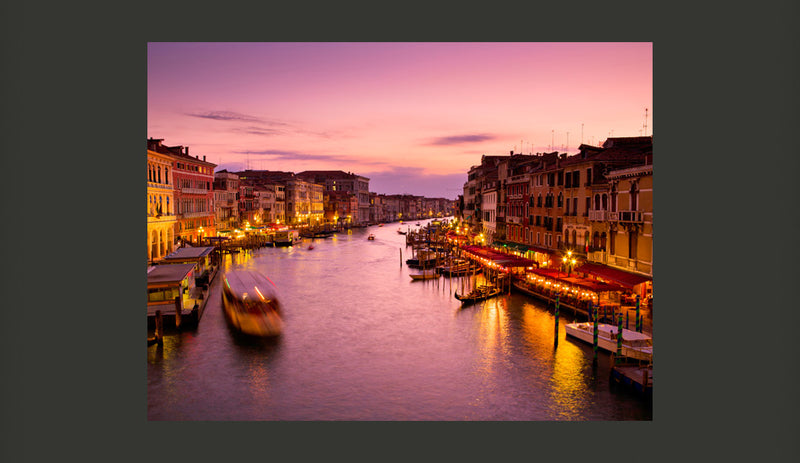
{"x": 178, "y": 312}
{"x": 158, "y": 338}
{"x": 555, "y": 343}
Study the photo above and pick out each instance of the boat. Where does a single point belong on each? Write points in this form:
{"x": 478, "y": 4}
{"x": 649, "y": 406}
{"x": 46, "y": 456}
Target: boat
{"x": 250, "y": 304}
{"x": 310, "y": 247}
{"x": 479, "y": 293}
{"x": 426, "y": 275}
{"x": 635, "y": 345}
{"x": 459, "y": 267}
{"x": 400, "y": 231}
{"x": 371, "y": 237}
{"x": 286, "y": 238}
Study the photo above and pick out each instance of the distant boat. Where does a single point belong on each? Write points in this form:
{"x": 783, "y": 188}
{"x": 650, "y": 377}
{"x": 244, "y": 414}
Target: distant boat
{"x": 371, "y": 237}
{"x": 310, "y": 247}
{"x": 400, "y": 230}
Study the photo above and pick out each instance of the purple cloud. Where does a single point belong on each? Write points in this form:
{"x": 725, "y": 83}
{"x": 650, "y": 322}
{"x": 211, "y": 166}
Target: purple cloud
{"x": 226, "y": 116}
{"x": 460, "y": 139}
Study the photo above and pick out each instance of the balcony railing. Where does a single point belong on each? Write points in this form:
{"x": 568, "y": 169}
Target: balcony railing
{"x": 194, "y": 191}
{"x": 626, "y": 216}
{"x": 598, "y": 216}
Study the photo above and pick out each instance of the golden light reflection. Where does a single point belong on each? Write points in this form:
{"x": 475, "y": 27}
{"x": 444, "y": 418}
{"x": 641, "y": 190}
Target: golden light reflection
{"x": 492, "y": 334}
{"x": 569, "y": 389}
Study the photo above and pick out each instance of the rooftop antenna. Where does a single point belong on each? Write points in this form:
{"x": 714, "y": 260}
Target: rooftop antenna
{"x": 567, "y": 149}
{"x": 552, "y": 140}
{"x": 581, "y": 133}
{"x": 645, "y": 122}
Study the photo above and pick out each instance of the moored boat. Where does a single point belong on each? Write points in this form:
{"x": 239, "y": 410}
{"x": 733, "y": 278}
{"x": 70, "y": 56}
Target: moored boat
{"x": 634, "y": 344}
{"x": 250, "y": 303}
{"x": 479, "y": 293}
{"x": 426, "y": 275}
{"x": 286, "y": 238}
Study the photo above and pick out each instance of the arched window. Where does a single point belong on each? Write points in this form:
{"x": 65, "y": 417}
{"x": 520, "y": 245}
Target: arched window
{"x": 597, "y": 202}
{"x": 603, "y": 241}
{"x": 634, "y": 198}
{"x": 566, "y": 237}
{"x": 574, "y": 237}
{"x": 605, "y": 202}
{"x": 166, "y": 175}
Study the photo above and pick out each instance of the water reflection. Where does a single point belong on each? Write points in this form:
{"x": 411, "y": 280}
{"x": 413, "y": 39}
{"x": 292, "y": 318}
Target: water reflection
{"x": 364, "y": 342}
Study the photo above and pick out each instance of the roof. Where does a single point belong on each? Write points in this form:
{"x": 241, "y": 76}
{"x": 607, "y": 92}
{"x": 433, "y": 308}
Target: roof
{"x": 506, "y": 260}
{"x": 156, "y": 145}
{"x": 168, "y": 274}
{"x": 190, "y": 252}
{"x": 622, "y": 277}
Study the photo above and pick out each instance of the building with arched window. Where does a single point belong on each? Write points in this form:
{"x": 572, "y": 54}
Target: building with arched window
{"x": 161, "y": 216}
{"x": 193, "y": 180}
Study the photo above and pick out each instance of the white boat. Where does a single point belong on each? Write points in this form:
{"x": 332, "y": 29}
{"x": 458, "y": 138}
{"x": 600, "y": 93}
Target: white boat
{"x": 634, "y": 344}
{"x": 250, "y": 303}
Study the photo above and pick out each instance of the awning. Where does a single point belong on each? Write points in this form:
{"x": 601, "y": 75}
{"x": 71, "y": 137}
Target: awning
{"x": 605, "y": 272}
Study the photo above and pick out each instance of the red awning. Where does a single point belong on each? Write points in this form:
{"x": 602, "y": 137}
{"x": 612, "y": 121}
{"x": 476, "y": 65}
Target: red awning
{"x": 622, "y": 277}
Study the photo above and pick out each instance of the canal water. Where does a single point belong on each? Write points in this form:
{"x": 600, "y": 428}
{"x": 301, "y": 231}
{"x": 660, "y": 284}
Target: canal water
{"x": 362, "y": 341}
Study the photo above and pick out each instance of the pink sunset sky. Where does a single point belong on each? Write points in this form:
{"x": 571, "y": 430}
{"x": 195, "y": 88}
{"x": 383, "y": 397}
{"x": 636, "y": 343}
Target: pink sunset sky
{"x": 412, "y": 117}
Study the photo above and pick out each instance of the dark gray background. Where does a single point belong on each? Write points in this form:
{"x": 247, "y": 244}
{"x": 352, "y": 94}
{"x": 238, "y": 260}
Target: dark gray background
{"x": 74, "y": 129}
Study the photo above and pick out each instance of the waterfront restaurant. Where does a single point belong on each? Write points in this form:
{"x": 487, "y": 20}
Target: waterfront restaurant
{"x": 165, "y": 283}
{"x": 200, "y": 256}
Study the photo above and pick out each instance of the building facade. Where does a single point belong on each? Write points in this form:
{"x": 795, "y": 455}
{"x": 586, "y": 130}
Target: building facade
{"x": 161, "y": 218}
{"x": 226, "y": 200}
{"x": 193, "y": 180}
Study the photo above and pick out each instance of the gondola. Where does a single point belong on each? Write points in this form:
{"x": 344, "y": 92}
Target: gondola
{"x": 480, "y": 293}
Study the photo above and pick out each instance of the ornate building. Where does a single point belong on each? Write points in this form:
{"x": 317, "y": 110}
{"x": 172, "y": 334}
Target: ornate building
{"x": 161, "y": 217}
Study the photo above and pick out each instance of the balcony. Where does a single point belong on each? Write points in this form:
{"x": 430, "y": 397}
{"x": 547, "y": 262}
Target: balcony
{"x": 194, "y": 191}
{"x": 598, "y": 216}
{"x": 514, "y": 220}
{"x": 627, "y": 216}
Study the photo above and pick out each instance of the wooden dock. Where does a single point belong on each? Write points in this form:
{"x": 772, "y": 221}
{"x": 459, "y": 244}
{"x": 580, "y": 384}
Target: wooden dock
{"x": 638, "y": 377}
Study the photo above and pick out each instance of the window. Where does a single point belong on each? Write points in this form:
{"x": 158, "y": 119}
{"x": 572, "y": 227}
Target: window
{"x": 588, "y": 205}
{"x": 589, "y": 176}
{"x": 576, "y": 179}
{"x": 568, "y": 180}
{"x": 561, "y": 177}
{"x": 566, "y": 211}
{"x": 575, "y": 206}
{"x": 561, "y": 200}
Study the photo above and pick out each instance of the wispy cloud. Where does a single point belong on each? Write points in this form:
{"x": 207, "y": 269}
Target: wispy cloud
{"x": 226, "y": 116}
{"x": 252, "y": 130}
{"x": 461, "y": 139}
